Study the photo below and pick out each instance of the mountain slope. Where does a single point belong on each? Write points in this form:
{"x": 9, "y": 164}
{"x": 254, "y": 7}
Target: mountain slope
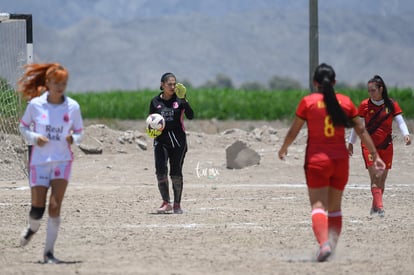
{"x": 129, "y": 45}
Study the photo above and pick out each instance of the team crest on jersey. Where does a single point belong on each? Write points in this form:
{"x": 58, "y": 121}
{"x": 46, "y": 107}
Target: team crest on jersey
{"x": 66, "y": 118}
{"x": 321, "y": 104}
{"x": 159, "y": 106}
{"x": 175, "y": 104}
{"x": 370, "y": 157}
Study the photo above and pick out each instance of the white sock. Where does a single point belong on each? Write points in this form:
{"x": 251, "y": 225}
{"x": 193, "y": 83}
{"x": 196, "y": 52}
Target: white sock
{"x": 51, "y": 233}
{"x": 34, "y": 224}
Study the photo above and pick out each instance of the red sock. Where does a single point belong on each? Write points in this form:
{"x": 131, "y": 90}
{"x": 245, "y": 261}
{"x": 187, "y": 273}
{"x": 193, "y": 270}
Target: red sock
{"x": 320, "y": 225}
{"x": 377, "y": 197}
{"x": 334, "y": 226}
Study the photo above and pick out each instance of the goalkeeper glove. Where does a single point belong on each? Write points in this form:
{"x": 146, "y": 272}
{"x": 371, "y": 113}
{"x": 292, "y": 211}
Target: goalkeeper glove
{"x": 180, "y": 90}
{"x": 152, "y": 133}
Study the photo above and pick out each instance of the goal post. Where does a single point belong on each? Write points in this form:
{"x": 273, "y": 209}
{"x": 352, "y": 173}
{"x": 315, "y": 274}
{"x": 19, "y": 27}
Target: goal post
{"x": 27, "y": 19}
{"x": 16, "y": 50}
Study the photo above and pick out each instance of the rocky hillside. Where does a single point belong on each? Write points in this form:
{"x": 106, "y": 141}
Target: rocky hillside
{"x": 129, "y": 44}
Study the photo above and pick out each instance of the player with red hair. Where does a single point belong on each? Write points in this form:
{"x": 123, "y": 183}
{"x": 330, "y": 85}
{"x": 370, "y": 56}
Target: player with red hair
{"x": 51, "y": 122}
{"x": 33, "y": 82}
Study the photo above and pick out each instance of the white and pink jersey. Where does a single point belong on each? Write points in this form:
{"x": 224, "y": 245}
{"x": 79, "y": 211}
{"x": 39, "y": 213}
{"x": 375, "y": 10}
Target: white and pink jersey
{"x": 54, "y": 121}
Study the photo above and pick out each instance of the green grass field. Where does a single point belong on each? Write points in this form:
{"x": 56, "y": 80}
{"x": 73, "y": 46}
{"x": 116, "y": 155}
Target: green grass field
{"x": 219, "y": 104}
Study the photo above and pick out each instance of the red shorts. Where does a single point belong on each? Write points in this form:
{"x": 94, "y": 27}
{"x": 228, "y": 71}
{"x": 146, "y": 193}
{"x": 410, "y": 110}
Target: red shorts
{"x": 333, "y": 173}
{"x": 385, "y": 154}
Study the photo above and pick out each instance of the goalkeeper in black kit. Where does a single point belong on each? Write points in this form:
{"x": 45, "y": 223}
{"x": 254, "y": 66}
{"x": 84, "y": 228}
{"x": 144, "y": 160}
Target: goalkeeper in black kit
{"x": 171, "y": 144}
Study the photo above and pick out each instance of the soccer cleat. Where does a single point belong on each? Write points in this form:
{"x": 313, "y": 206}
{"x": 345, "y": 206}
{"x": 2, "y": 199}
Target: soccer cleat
{"x": 164, "y": 208}
{"x": 333, "y": 242}
{"x": 377, "y": 211}
{"x": 26, "y": 236}
{"x": 324, "y": 252}
{"x": 50, "y": 259}
{"x": 177, "y": 208}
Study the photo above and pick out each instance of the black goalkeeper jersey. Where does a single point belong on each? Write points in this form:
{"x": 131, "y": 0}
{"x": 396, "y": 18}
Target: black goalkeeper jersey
{"x": 173, "y": 111}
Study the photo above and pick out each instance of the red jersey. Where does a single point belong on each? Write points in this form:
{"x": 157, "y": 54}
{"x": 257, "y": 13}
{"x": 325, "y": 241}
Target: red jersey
{"x": 325, "y": 141}
{"x": 378, "y": 121}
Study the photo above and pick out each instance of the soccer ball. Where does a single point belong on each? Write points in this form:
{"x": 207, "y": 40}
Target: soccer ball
{"x": 155, "y": 124}
{"x": 155, "y": 121}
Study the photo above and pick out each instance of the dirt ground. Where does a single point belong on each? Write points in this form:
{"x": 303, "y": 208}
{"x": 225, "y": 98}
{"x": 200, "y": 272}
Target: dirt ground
{"x": 254, "y": 220}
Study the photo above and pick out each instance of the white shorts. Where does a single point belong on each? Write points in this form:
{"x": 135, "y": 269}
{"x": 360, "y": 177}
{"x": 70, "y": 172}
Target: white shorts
{"x": 42, "y": 174}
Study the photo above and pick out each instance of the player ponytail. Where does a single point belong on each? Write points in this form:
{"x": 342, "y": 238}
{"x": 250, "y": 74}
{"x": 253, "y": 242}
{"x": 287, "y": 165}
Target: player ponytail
{"x": 379, "y": 82}
{"x": 324, "y": 76}
{"x": 34, "y": 80}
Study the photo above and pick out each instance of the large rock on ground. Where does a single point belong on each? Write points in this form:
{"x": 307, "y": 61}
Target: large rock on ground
{"x": 238, "y": 156}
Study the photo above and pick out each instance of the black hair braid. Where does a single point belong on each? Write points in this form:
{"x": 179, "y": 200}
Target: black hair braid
{"x": 333, "y": 108}
{"x": 325, "y": 76}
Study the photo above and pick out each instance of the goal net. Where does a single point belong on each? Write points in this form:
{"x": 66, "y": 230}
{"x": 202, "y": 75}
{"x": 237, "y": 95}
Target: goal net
{"x": 16, "y": 50}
